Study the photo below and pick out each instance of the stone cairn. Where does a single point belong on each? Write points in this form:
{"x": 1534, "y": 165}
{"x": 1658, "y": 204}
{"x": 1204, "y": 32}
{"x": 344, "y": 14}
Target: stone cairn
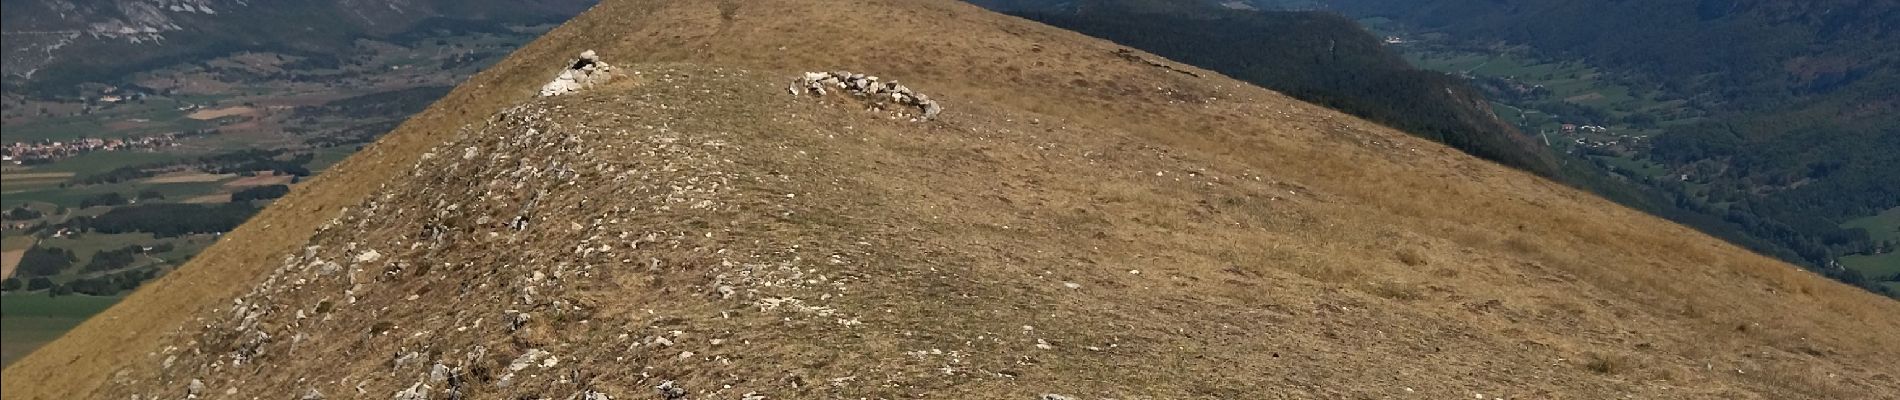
{"x": 819, "y": 83}
{"x": 582, "y": 73}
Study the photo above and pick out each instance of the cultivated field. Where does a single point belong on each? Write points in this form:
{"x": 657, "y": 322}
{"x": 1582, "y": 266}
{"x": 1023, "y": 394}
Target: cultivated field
{"x": 30, "y": 320}
{"x": 22, "y": 181}
{"x": 211, "y": 114}
{"x": 9, "y": 260}
{"x": 188, "y": 177}
{"x": 11, "y": 249}
{"x": 1885, "y": 226}
{"x": 259, "y": 180}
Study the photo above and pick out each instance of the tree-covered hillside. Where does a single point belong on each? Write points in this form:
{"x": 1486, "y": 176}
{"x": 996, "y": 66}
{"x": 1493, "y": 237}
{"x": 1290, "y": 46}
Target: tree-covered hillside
{"x": 1779, "y": 180}
{"x": 1796, "y": 117}
{"x": 1317, "y": 57}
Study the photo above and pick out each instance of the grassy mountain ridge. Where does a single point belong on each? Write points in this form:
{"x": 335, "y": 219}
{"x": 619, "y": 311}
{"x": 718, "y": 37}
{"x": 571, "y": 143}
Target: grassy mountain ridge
{"x": 1075, "y": 224}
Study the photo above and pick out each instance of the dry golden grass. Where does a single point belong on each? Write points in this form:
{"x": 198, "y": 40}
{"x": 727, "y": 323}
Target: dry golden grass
{"x": 1413, "y": 257}
{"x": 1233, "y": 242}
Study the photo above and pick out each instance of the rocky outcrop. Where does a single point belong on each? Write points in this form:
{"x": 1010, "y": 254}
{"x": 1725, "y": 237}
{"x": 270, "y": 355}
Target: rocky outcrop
{"x": 1130, "y": 55}
{"x": 584, "y": 72}
{"x": 861, "y": 85}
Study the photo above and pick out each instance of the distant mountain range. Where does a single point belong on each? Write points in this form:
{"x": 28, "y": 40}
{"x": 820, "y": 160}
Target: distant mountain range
{"x": 50, "y": 45}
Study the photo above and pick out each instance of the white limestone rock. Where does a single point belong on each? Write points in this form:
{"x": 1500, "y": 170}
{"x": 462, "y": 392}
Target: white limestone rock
{"x": 582, "y": 73}
{"x": 862, "y": 85}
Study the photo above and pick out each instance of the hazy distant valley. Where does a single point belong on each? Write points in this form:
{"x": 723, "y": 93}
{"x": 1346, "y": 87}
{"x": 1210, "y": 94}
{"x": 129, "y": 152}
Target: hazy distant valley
{"x": 128, "y": 173}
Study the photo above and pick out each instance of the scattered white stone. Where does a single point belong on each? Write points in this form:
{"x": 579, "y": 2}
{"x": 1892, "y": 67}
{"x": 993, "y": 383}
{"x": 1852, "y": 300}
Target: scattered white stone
{"x": 407, "y": 358}
{"x": 819, "y": 83}
{"x": 526, "y": 359}
{"x": 516, "y": 320}
{"x": 439, "y": 373}
{"x": 584, "y": 72}
{"x": 417, "y": 391}
{"x": 670, "y": 391}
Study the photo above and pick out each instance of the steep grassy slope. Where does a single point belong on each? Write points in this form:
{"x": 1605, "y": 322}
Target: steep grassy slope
{"x": 1076, "y": 223}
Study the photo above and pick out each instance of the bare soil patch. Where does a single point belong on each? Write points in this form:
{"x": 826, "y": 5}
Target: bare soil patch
{"x": 215, "y": 113}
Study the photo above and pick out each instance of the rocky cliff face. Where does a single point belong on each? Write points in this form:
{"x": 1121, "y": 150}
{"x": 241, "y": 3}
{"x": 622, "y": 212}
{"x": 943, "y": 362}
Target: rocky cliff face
{"x": 1073, "y": 224}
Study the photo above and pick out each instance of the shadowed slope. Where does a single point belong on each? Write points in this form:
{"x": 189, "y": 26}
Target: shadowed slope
{"x": 1075, "y": 223}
